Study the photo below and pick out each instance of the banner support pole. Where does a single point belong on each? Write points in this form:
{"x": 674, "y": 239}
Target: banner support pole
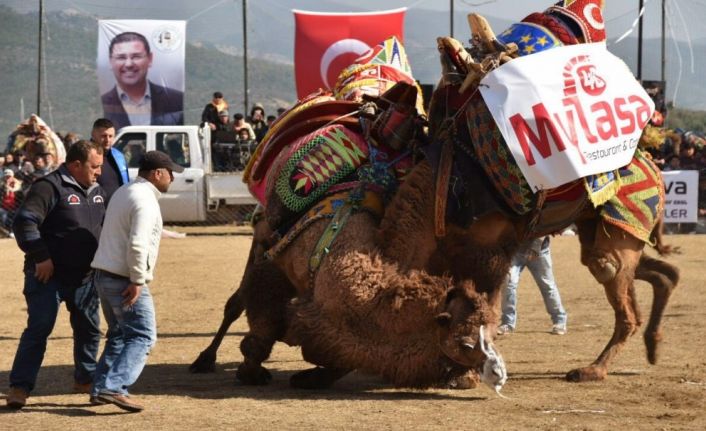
{"x": 39, "y": 60}
{"x": 245, "y": 57}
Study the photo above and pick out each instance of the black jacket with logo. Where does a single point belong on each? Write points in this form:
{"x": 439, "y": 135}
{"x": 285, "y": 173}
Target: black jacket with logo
{"x": 60, "y": 220}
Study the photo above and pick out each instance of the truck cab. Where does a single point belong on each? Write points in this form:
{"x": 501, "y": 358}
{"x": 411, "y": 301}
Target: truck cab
{"x": 197, "y": 192}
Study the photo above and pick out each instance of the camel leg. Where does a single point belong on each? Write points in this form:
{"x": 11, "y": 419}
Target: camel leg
{"x": 256, "y": 349}
{"x": 268, "y": 297}
{"x": 317, "y": 378}
{"x": 206, "y": 362}
{"x": 664, "y": 278}
{"x": 621, "y": 259}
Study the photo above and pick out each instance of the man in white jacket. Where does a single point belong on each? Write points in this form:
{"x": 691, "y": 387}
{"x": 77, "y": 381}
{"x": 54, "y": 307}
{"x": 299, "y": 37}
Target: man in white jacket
{"x": 124, "y": 263}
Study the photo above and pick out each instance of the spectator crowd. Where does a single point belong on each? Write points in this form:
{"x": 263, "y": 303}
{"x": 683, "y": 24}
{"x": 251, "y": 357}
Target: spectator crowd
{"x": 234, "y": 141}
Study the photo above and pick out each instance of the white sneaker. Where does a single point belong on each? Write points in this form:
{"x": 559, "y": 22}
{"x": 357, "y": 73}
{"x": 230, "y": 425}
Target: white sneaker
{"x": 558, "y": 329}
{"x": 505, "y": 329}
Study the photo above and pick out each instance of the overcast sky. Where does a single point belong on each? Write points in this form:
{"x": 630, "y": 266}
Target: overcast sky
{"x": 686, "y": 16}
{"x": 220, "y": 22}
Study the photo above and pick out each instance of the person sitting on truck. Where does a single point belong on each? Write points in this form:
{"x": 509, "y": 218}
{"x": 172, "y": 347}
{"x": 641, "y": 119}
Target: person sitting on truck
{"x": 257, "y": 121}
{"x": 243, "y": 135}
{"x": 240, "y": 123}
{"x": 222, "y": 150}
{"x": 211, "y": 112}
{"x": 224, "y": 130}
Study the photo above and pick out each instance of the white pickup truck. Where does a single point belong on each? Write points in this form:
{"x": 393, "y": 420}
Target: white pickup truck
{"x": 211, "y": 188}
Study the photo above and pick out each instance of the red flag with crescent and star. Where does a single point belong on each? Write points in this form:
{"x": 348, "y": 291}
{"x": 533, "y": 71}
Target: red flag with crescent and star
{"x": 326, "y": 43}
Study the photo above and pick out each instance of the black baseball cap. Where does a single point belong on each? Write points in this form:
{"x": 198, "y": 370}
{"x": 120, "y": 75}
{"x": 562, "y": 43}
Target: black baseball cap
{"x": 156, "y": 160}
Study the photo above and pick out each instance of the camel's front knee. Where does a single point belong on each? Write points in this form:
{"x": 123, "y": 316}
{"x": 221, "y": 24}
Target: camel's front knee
{"x": 603, "y": 267}
{"x": 255, "y": 349}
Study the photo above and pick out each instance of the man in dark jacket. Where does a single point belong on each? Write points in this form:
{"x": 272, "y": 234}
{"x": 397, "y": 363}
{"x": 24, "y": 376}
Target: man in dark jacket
{"x": 211, "y": 111}
{"x": 58, "y": 227}
{"x": 114, "y": 172}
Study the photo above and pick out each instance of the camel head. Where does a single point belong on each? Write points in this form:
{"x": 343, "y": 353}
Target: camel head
{"x": 464, "y": 336}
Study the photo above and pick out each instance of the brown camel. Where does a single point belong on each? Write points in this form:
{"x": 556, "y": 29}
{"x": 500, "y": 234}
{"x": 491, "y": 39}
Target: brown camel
{"x": 359, "y": 312}
{"x": 487, "y": 245}
{"x": 483, "y": 233}
{"x": 356, "y": 310}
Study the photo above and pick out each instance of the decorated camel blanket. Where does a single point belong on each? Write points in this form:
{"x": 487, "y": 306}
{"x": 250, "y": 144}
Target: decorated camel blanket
{"x": 328, "y": 141}
{"x": 639, "y": 201}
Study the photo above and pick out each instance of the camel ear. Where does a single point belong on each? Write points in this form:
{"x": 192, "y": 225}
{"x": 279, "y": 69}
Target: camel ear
{"x": 444, "y": 319}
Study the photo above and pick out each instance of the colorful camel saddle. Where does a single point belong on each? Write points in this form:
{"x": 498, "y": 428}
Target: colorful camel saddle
{"x": 355, "y": 138}
{"x": 639, "y": 201}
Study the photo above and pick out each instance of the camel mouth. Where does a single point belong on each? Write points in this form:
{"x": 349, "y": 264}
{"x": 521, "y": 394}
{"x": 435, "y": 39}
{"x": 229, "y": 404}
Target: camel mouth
{"x": 482, "y": 357}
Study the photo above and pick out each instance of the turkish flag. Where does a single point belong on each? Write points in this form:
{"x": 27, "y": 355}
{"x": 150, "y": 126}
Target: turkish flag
{"x": 326, "y": 43}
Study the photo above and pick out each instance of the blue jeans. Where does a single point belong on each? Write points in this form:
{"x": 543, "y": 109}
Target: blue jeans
{"x": 541, "y": 268}
{"x": 132, "y": 332}
{"x": 43, "y": 300}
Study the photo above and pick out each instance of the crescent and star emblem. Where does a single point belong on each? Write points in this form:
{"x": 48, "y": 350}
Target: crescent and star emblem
{"x": 591, "y": 19}
{"x": 336, "y": 49}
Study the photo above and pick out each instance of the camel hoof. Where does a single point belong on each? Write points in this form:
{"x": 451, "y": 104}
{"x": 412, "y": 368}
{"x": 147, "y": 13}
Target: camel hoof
{"x": 585, "y": 374}
{"x": 205, "y": 363}
{"x": 470, "y": 380}
{"x": 315, "y": 378}
{"x": 258, "y": 376}
{"x": 652, "y": 342}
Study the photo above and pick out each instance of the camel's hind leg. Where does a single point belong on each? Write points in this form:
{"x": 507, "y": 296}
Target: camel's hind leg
{"x": 612, "y": 257}
{"x": 664, "y": 278}
{"x": 206, "y": 362}
{"x": 267, "y": 297}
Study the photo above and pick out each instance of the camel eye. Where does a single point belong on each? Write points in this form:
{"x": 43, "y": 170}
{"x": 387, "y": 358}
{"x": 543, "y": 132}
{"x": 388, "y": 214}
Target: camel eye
{"x": 444, "y": 319}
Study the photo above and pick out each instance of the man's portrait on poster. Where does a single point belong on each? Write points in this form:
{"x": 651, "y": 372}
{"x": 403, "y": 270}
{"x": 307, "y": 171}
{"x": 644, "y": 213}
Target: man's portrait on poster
{"x": 134, "y": 98}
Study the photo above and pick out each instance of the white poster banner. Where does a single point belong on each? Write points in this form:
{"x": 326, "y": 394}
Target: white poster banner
{"x": 681, "y": 196}
{"x": 567, "y": 112}
{"x": 140, "y": 68}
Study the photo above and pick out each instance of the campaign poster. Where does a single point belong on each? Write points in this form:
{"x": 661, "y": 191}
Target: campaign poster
{"x": 140, "y": 67}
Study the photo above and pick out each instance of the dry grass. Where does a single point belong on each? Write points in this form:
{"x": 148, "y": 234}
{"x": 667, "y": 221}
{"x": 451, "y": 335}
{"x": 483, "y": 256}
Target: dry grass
{"x": 196, "y": 275}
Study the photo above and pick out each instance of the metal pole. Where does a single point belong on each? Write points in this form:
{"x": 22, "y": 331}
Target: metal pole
{"x": 39, "y": 60}
{"x": 664, "y": 59}
{"x": 245, "y": 56}
{"x": 451, "y": 17}
{"x": 639, "y": 43}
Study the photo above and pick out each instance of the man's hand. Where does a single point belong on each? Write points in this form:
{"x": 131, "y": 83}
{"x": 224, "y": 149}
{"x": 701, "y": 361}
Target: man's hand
{"x": 44, "y": 270}
{"x": 131, "y": 294}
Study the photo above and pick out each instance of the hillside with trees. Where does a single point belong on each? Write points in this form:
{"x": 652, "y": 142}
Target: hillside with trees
{"x": 70, "y": 95}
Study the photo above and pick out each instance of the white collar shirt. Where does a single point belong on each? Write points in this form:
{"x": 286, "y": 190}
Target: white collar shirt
{"x": 139, "y": 112}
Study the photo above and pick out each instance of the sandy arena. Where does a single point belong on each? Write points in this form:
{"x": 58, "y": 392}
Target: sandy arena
{"x": 197, "y": 274}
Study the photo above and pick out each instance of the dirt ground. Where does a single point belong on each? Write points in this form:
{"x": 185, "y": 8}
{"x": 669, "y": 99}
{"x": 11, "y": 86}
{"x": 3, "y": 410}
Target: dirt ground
{"x": 196, "y": 275}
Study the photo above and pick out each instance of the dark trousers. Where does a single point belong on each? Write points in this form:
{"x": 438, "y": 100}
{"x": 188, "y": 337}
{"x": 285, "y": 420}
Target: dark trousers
{"x": 43, "y": 300}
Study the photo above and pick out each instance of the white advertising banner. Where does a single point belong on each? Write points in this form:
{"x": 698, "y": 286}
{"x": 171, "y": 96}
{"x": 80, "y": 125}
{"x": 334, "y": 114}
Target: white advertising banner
{"x": 140, "y": 68}
{"x": 682, "y": 196}
{"x": 567, "y": 112}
